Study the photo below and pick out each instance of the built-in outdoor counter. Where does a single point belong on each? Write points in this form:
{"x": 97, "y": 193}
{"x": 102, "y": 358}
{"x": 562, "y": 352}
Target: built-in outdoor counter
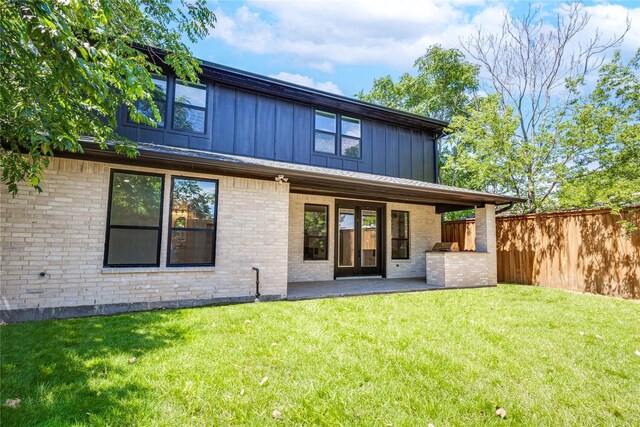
{"x": 452, "y": 269}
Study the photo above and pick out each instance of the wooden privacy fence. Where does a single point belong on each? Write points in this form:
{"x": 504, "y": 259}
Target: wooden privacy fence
{"x": 462, "y": 231}
{"x": 582, "y": 250}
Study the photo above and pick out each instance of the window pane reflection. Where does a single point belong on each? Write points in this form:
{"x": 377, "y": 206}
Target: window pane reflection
{"x": 346, "y": 236}
{"x": 135, "y": 199}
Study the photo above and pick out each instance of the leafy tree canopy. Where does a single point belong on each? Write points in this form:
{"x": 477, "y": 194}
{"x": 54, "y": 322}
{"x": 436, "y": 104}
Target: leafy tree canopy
{"x": 529, "y": 64}
{"x": 441, "y": 88}
{"x": 531, "y": 132}
{"x": 67, "y": 66}
{"x": 606, "y": 125}
{"x": 483, "y": 152}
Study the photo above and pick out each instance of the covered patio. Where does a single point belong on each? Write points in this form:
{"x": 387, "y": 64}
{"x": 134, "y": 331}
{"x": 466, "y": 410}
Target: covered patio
{"x": 356, "y": 286}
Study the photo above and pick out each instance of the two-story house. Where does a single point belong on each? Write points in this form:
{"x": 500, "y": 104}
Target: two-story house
{"x": 244, "y": 172}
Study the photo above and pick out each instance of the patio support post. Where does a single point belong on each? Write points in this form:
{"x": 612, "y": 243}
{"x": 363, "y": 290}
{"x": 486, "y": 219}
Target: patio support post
{"x": 486, "y": 238}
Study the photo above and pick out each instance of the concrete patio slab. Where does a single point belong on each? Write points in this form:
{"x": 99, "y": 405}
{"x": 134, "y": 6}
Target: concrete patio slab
{"x": 359, "y": 286}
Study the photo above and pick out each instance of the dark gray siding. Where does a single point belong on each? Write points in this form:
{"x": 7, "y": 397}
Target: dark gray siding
{"x": 250, "y": 124}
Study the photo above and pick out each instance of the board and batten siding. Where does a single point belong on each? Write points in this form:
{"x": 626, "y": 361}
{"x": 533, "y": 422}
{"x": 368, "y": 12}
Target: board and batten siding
{"x": 250, "y": 124}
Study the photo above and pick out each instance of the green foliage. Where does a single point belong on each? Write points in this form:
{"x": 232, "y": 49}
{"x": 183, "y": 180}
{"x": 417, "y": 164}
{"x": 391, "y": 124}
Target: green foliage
{"x": 549, "y": 357}
{"x": 606, "y": 125}
{"x": 523, "y": 138}
{"x": 527, "y": 63}
{"x": 68, "y": 66}
{"x": 180, "y": 115}
{"x": 353, "y": 151}
{"x": 482, "y": 151}
{"x": 315, "y": 222}
{"x": 452, "y": 216}
{"x": 441, "y": 88}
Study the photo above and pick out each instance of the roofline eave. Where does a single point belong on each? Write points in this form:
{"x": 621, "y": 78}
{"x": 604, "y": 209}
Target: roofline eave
{"x": 302, "y": 176}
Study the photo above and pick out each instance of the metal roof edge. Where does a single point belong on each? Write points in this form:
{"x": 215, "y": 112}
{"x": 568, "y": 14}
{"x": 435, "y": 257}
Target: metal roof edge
{"x": 437, "y": 123}
{"x": 432, "y": 124}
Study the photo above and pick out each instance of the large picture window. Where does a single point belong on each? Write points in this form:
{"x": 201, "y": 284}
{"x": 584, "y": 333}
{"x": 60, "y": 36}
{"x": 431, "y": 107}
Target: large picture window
{"x": 134, "y": 220}
{"x": 315, "y": 232}
{"x": 192, "y": 230}
{"x": 399, "y": 235}
{"x": 190, "y": 107}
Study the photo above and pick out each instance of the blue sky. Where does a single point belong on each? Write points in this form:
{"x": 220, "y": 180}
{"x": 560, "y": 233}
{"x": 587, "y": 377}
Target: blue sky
{"x": 341, "y": 46}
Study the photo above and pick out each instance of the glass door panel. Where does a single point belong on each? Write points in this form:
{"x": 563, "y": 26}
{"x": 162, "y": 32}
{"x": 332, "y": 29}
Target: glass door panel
{"x": 369, "y": 238}
{"x": 346, "y": 237}
{"x": 359, "y": 243}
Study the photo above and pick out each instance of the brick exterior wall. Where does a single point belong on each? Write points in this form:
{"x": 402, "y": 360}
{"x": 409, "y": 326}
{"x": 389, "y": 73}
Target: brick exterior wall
{"x": 424, "y": 232}
{"x": 486, "y": 239}
{"x": 62, "y": 232}
{"x": 424, "y": 229}
{"x": 468, "y": 268}
{"x": 301, "y": 270}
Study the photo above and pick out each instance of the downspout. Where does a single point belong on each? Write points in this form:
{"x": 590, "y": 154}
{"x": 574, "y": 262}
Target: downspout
{"x": 436, "y": 163}
{"x": 257, "y": 270}
{"x": 436, "y": 169}
{"x": 504, "y": 209}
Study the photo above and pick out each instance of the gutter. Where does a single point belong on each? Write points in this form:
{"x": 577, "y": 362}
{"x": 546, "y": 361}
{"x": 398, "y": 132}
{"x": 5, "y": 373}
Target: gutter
{"x": 227, "y": 163}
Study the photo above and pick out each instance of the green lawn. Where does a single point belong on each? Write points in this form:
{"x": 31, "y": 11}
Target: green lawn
{"x": 448, "y": 358}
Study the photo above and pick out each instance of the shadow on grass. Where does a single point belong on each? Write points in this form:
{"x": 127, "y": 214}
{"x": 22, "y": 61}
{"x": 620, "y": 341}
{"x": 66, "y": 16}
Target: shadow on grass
{"x": 77, "y": 371}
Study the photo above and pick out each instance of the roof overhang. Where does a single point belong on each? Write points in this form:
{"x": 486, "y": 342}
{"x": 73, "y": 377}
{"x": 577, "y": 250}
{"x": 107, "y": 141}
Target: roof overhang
{"x": 302, "y": 178}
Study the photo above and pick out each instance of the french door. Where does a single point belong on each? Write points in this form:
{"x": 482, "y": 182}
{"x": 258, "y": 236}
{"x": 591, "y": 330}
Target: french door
{"x": 359, "y": 239}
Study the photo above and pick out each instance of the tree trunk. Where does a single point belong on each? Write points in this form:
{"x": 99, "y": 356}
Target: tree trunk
{"x": 531, "y": 196}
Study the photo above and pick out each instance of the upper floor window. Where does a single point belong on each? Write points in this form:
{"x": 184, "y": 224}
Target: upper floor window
{"x": 190, "y": 107}
{"x": 350, "y": 137}
{"x": 159, "y": 97}
{"x": 134, "y": 220}
{"x": 192, "y": 231}
{"x": 328, "y": 126}
{"x": 325, "y": 132}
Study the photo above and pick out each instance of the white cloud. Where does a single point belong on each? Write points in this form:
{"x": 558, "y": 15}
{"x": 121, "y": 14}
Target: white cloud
{"x": 326, "y": 66}
{"x": 307, "y": 81}
{"x": 607, "y": 22}
{"x": 610, "y": 20}
{"x": 321, "y": 34}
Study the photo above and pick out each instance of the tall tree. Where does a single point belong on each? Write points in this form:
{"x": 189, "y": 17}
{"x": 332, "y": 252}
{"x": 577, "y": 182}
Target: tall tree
{"x": 482, "y": 152}
{"x": 528, "y": 64}
{"x": 441, "y": 88}
{"x": 67, "y": 67}
{"x": 606, "y": 126}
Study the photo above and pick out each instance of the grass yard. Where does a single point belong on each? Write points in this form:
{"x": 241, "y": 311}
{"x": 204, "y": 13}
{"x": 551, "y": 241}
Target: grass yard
{"x": 449, "y": 358}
